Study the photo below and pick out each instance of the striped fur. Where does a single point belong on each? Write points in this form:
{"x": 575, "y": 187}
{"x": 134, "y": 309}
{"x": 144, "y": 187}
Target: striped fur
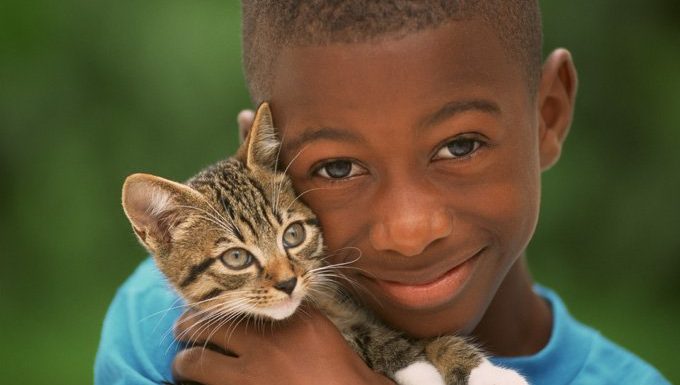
{"x": 244, "y": 204}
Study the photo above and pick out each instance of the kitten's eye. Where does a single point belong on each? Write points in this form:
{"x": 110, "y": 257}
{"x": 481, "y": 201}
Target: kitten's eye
{"x": 458, "y": 148}
{"x": 294, "y": 235}
{"x": 339, "y": 169}
{"x": 237, "y": 258}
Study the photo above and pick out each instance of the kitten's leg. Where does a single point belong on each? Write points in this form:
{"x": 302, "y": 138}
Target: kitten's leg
{"x": 392, "y": 354}
{"x": 454, "y": 357}
{"x": 446, "y": 360}
{"x": 460, "y": 362}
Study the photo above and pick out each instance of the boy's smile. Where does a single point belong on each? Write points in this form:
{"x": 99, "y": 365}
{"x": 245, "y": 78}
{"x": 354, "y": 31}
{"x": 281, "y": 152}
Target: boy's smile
{"x": 423, "y": 153}
{"x": 428, "y": 290}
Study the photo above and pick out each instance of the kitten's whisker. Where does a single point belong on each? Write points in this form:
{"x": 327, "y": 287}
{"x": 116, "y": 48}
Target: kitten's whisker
{"x": 180, "y": 336}
{"x": 198, "y": 322}
{"x": 220, "y": 325}
{"x": 207, "y": 316}
{"x": 210, "y": 217}
{"x": 226, "y": 223}
{"x": 173, "y": 307}
{"x": 164, "y": 311}
{"x": 303, "y": 312}
{"x": 218, "y": 218}
{"x": 303, "y": 193}
{"x": 342, "y": 249}
{"x": 234, "y": 325}
{"x": 226, "y": 219}
{"x": 220, "y": 301}
{"x": 321, "y": 290}
{"x": 354, "y": 286}
{"x": 217, "y": 213}
{"x": 215, "y": 322}
{"x": 339, "y": 265}
{"x": 278, "y": 153}
{"x": 280, "y": 184}
{"x": 276, "y": 170}
{"x": 336, "y": 277}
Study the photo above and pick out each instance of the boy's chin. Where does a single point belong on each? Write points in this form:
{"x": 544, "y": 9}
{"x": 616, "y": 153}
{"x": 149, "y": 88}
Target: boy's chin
{"x": 459, "y": 314}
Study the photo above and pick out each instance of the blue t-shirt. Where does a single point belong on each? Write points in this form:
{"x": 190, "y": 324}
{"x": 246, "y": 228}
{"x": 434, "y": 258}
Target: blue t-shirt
{"x": 137, "y": 344}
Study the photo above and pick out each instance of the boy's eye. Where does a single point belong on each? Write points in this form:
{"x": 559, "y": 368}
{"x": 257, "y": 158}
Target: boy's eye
{"x": 338, "y": 169}
{"x": 458, "y": 148}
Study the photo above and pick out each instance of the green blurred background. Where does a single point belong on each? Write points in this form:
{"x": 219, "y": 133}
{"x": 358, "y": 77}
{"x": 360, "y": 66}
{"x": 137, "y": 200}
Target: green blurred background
{"x": 91, "y": 91}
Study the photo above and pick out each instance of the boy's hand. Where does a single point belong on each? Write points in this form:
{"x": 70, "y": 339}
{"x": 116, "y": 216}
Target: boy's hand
{"x": 304, "y": 349}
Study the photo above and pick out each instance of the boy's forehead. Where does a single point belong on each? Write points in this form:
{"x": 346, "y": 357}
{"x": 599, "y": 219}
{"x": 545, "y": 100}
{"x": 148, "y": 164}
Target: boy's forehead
{"x": 460, "y": 59}
{"x": 465, "y": 54}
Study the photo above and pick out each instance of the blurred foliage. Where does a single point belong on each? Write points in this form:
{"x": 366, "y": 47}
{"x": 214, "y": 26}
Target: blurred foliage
{"x": 91, "y": 91}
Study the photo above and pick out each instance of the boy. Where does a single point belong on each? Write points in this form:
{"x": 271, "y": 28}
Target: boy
{"x": 419, "y": 130}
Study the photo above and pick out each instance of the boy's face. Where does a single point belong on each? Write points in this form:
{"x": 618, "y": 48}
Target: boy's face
{"x": 421, "y": 157}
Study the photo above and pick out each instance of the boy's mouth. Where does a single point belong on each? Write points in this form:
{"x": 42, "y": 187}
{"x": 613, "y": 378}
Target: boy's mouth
{"x": 430, "y": 293}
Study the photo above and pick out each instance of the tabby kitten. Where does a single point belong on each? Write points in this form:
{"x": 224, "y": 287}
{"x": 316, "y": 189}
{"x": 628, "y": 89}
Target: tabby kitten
{"x": 235, "y": 241}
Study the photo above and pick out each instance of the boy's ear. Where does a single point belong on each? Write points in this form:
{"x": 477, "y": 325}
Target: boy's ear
{"x": 556, "y": 97}
{"x": 261, "y": 146}
{"x": 154, "y": 206}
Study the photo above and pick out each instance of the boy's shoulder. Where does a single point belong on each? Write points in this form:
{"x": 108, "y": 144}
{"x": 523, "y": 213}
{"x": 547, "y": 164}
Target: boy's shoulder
{"x": 137, "y": 344}
{"x": 578, "y": 354}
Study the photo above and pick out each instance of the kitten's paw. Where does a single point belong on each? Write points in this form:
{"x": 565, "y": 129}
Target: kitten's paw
{"x": 488, "y": 374}
{"x": 419, "y": 373}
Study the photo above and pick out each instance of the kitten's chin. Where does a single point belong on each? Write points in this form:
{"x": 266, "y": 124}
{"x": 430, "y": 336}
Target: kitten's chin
{"x": 282, "y": 310}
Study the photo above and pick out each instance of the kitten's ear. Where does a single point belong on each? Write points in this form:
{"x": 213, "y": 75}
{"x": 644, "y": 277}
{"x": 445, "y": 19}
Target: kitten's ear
{"x": 261, "y": 147}
{"x": 153, "y": 206}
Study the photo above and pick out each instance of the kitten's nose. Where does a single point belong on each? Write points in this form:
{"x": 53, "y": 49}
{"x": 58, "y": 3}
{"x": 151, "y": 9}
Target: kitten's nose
{"x": 287, "y": 286}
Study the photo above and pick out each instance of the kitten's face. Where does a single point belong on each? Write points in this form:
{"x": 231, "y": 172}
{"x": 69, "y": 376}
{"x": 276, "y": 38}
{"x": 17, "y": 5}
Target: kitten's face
{"x": 235, "y": 239}
{"x": 248, "y": 248}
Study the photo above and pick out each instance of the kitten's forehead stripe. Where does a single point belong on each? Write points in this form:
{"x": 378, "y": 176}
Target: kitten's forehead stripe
{"x": 230, "y": 211}
{"x": 255, "y": 183}
{"x": 244, "y": 191}
{"x": 196, "y": 270}
{"x": 238, "y": 235}
{"x": 225, "y": 204}
{"x": 250, "y": 226}
{"x": 263, "y": 210}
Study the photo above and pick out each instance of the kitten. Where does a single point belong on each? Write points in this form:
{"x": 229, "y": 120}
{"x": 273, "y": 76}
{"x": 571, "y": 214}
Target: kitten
{"x": 235, "y": 240}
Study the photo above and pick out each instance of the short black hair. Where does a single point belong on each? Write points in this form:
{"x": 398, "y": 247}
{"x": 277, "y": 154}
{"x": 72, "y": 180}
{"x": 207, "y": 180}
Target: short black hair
{"x": 270, "y": 25}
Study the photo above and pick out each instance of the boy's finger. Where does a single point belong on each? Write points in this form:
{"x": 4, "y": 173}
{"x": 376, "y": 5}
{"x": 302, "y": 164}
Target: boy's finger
{"x": 245, "y": 120}
{"x": 205, "y": 367}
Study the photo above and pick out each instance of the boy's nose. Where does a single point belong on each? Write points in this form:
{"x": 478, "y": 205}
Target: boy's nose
{"x": 408, "y": 221}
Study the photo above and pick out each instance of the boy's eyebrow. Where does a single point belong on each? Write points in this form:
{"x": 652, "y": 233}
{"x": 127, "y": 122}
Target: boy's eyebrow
{"x": 452, "y": 108}
{"x": 312, "y": 134}
{"x": 333, "y": 133}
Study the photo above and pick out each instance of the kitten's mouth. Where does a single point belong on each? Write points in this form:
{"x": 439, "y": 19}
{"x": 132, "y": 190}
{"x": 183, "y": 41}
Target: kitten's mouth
{"x": 283, "y": 309}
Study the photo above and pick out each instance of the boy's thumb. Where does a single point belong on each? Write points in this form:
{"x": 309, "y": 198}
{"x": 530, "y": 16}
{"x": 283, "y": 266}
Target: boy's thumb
{"x": 244, "y": 120}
